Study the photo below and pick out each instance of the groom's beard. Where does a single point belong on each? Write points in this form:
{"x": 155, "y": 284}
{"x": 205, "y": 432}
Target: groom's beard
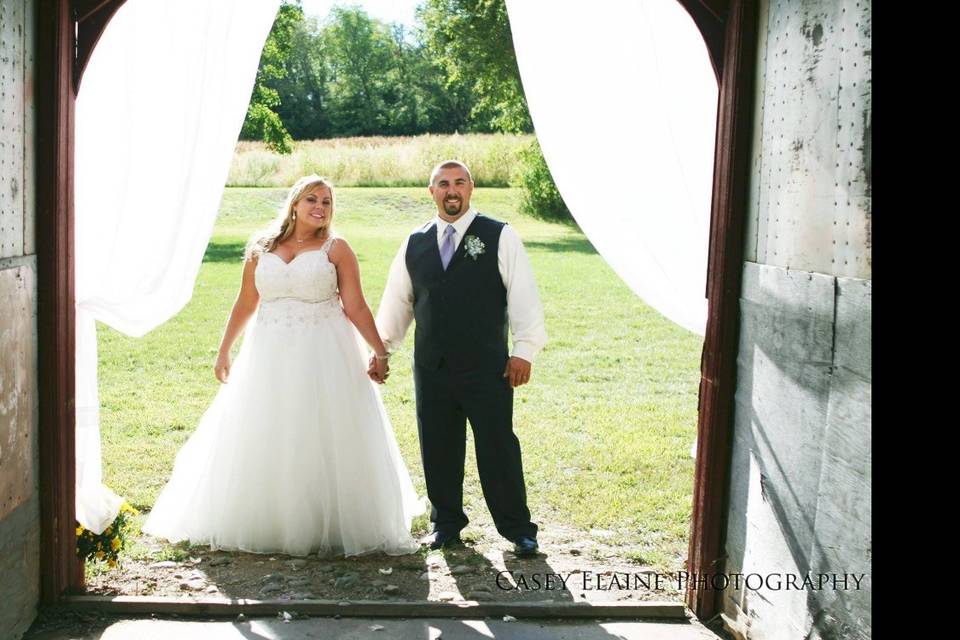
{"x": 452, "y": 207}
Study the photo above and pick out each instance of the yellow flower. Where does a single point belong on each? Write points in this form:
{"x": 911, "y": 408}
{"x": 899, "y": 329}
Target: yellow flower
{"x": 79, "y": 531}
{"x": 100, "y": 555}
{"x": 115, "y": 544}
{"x": 108, "y": 531}
{"x": 112, "y": 562}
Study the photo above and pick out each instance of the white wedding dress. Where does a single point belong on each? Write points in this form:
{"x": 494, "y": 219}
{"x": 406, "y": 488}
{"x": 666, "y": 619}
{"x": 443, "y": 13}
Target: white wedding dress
{"x": 296, "y": 453}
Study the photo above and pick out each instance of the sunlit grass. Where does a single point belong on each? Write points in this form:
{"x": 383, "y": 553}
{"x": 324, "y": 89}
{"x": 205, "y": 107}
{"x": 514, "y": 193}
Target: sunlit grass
{"x": 606, "y": 424}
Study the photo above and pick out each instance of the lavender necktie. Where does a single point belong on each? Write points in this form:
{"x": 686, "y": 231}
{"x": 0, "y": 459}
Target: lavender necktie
{"x": 447, "y": 248}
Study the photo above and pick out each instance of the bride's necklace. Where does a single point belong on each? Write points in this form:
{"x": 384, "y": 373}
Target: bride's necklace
{"x": 299, "y": 241}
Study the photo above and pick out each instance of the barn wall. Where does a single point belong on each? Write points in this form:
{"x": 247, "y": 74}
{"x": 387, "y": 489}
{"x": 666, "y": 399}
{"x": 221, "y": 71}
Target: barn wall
{"x": 801, "y": 466}
{"x": 19, "y": 491}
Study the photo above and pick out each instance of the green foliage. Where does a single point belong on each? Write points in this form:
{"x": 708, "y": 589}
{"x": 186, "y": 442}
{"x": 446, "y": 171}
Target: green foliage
{"x": 359, "y": 53}
{"x": 541, "y": 198}
{"x": 262, "y": 121}
{"x": 353, "y": 75}
{"x": 303, "y": 92}
{"x": 106, "y": 546}
{"x": 473, "y": 42}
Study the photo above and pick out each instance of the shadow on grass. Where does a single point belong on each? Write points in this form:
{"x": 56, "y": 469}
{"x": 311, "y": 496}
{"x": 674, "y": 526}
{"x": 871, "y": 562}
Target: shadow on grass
{"x": 565, "y": 245}
{"x": 224, "y": 252}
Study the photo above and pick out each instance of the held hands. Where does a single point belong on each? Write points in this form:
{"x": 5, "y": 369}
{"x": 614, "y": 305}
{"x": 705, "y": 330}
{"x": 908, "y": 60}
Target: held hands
{"x": 222, "y": 367}
{"x": 378, "y": 369}
{"x": 517, "y": 371}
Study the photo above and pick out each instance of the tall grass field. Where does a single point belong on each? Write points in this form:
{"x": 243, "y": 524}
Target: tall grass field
{"x": 380, "y": 162}
{"x": 606, "y": 423}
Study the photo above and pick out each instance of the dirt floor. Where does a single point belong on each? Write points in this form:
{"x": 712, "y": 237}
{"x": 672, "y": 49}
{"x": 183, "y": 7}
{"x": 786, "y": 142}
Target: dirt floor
{"x": 569, "y": 569}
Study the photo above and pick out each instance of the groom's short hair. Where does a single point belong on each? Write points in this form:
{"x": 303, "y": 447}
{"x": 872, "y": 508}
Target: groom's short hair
{"x": 448, "y": 164}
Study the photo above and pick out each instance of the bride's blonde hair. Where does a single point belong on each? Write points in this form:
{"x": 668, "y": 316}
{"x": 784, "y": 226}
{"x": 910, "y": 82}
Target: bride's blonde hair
{"x": 281, "y": 227}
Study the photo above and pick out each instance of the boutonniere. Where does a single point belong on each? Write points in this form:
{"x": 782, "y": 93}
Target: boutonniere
{"x": 474, "y": 246}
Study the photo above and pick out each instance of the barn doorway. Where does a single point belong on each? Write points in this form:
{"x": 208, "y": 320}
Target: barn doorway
{"x": 731, "y": 24}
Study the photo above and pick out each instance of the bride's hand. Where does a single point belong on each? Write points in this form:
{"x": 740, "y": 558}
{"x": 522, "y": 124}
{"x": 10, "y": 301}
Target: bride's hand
{"x": 222, "y": 367}
{"x": 379, "y": 370}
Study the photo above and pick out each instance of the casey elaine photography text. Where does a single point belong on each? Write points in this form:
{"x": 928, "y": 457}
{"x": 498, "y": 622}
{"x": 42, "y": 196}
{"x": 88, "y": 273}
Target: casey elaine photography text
{"x": 681, "y": 580}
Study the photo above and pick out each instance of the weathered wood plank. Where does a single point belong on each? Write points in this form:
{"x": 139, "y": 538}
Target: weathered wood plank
{"x": 783, "y": 374}
{"x": 29, "y": 129}
{"x": 19, "y": 474}
{"x": 752, "y": 218}
{"x": 801, "y": 499}
{"x": 19, "y": 568}
{"x": 17, "y": 388}
{"x": 783, "y": 382}
{"x": 843, "y": 512}
{"x": 852, "y": 155}
{"x": 11, "y": 128}
{"x": 370, "y": 608}
{"x": 813, "y": 176}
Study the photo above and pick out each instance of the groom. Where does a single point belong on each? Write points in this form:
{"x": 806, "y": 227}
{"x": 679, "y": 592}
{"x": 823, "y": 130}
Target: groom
{"x": 465, "y": 278}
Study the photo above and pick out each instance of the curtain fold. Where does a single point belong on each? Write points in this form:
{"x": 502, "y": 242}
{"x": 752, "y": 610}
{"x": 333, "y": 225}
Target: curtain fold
{"x": 624, "y": 100}
{"x": 157, "y": 119}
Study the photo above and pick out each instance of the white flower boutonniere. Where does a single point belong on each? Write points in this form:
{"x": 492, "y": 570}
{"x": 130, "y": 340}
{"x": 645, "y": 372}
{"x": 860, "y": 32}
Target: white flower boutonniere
{"x": 474, "y": 246}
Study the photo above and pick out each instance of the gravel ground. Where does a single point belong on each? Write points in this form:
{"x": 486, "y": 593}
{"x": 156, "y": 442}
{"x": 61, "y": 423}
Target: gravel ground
{"x": 579, "y": 570}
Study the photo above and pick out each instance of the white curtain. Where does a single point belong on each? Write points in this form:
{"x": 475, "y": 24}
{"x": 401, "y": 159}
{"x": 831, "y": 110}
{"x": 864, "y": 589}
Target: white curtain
{"x": 158, "y": 114}
{"x": 624, "y": 100}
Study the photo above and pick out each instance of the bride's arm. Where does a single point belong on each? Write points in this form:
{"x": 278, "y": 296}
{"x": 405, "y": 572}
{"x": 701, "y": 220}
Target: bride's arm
{"x": 351, "y": 295}
{"x": 243, "y": 309}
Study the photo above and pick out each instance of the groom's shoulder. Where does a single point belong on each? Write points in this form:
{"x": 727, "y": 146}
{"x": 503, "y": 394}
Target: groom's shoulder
{"x": 486, "y": 221}
{"x": 424, "y": 228}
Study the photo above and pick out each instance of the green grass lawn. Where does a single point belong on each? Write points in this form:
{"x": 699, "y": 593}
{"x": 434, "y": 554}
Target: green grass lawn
{"x": 606, "y": 423}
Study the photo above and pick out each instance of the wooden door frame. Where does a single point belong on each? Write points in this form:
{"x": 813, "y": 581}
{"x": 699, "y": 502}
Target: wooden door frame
{"x": 67, "y": 31}
{"x": 736, "y": 50}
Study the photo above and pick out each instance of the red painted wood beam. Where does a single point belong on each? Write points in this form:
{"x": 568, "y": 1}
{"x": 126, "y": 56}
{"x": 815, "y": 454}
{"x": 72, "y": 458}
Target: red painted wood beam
{"x": 92, "y": 17}
{"x": 61, "y": 571}
{"x": 724, "y": 271}
{"x": 710, "y": 17}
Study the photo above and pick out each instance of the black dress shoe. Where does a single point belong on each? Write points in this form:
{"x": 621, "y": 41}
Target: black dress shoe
{"x": 442, "y": 540}
{"x": 525, "y": 547}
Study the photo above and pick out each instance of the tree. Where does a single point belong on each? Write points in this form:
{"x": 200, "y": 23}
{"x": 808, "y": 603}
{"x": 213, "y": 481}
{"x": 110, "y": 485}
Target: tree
{"x": 262, "y": 121}
{"x": 418, "y": 97}
{"x": 304, "y": 101}
{"x": 472, "y": 39}
{"x": 358, "y": 55}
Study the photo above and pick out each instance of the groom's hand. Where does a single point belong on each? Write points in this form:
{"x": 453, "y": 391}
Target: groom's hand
{"x": 517, "y": 371}
{"x": 378, "y": 370}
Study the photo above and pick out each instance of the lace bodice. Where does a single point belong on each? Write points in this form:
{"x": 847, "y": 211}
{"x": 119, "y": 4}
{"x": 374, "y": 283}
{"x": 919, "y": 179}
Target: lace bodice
{"x": 309, "y": 277}
{"x": 300, "y": 293}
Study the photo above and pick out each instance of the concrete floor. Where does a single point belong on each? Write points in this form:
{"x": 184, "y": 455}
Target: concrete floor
{"x": 383, "y": 629}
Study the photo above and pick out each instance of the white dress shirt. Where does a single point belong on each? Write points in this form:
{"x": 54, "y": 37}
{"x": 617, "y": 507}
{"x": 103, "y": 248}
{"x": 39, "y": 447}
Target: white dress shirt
{"x": 524, "y": 310}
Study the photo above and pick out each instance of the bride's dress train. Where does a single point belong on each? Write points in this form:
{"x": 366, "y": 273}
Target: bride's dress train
{"x": 296, "y": 453}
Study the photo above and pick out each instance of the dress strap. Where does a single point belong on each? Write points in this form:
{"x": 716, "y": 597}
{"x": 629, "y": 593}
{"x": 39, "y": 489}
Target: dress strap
{"x": 328, "y": 244}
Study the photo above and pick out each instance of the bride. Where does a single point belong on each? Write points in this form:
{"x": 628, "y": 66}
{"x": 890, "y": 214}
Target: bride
{"x": 296, "y": 453}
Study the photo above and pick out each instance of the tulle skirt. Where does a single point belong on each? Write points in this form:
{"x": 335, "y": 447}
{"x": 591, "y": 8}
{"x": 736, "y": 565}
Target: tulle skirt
{"x": 296, "y": 454}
